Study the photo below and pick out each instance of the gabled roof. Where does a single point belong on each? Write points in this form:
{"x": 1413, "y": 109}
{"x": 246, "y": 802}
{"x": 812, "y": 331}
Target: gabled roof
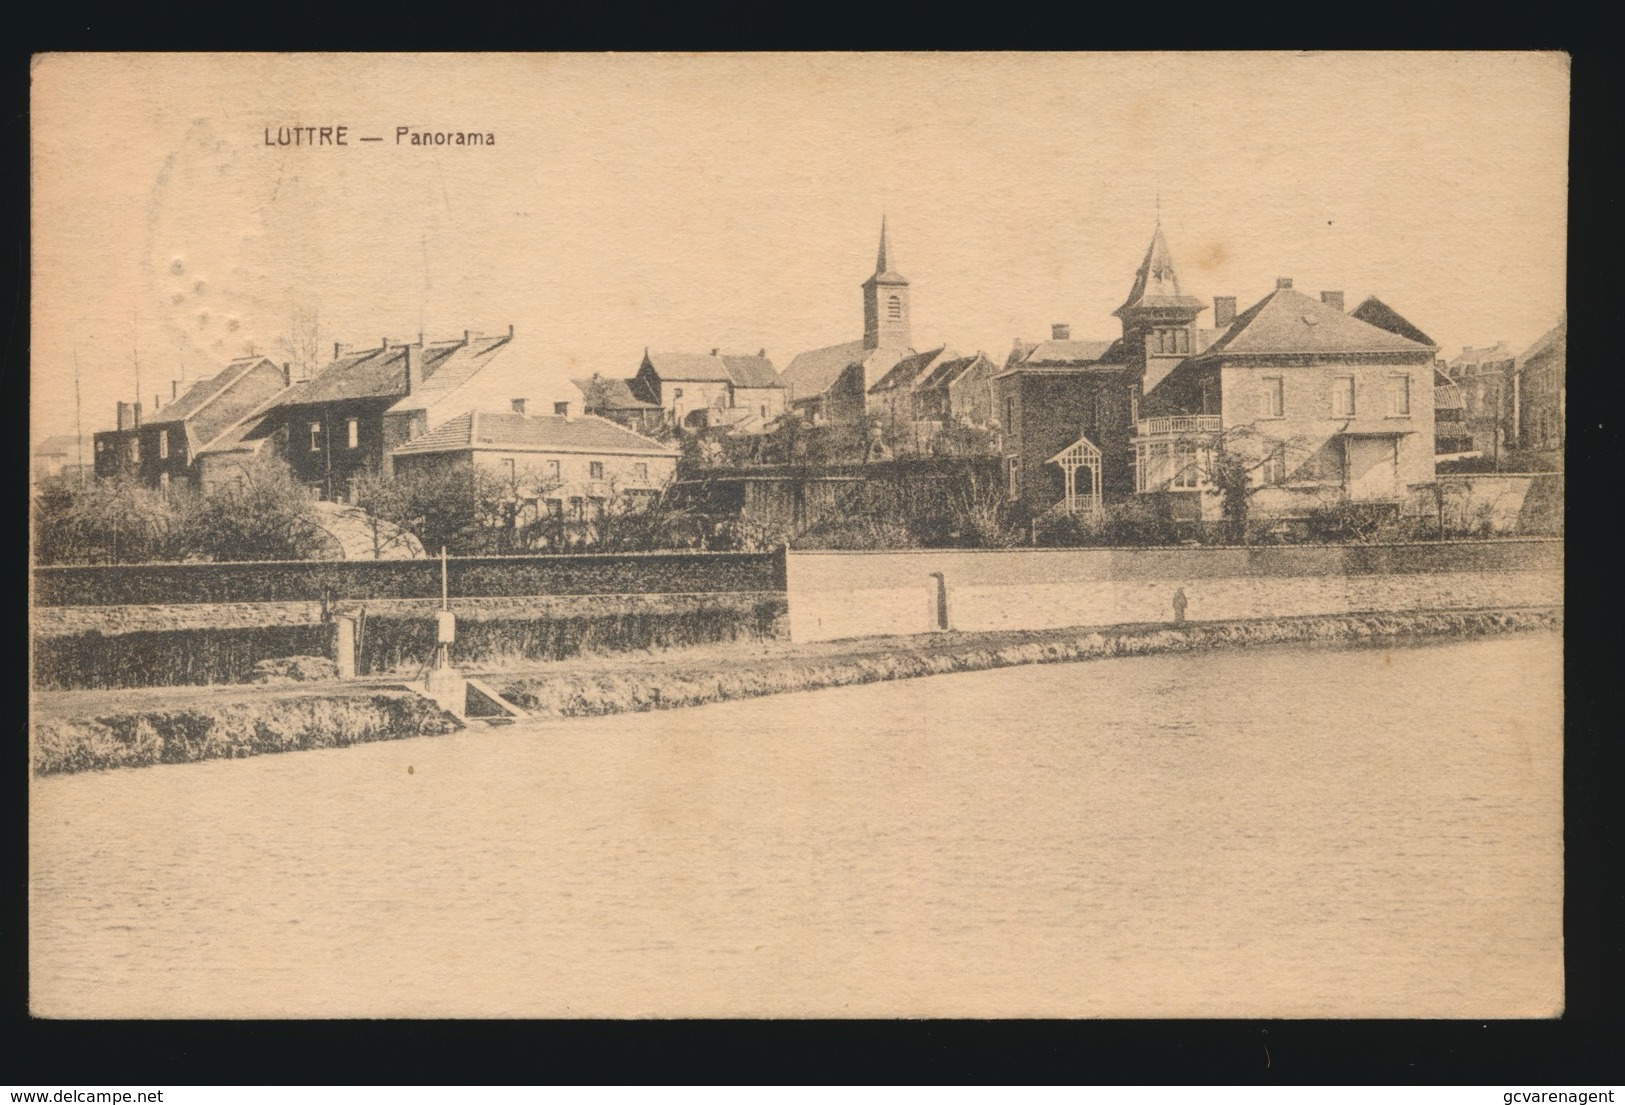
{"x": 1287, "y": 321}
{"x": 444, "y": 374}
{"x": 616, "y": 394}
{"x": 751, "y": 370}
{"x": 1556, "y": 337}
{"x": 739, "y": 369}
{"x": 905, "y": 372}
{"x": 194, "y": 398}
{"x": 1446, "y": 396}
{"x": 948, "y": 372}
{"x": 62, "y": 445}
{"x": 813, "y": 372}
{"x": 533, "y": 433}
{"x": 248, "y": 432}
{"x": 1384, "y": 317}
{"x": 1155, "y": 284}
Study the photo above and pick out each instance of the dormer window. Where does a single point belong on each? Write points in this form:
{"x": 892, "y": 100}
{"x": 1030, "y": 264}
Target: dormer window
{"x": 894, "y": 308}
{"x": 1165, "y": 340}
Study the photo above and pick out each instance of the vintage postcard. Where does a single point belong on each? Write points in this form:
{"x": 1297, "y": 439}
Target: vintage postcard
{"x": 797, "y": 535}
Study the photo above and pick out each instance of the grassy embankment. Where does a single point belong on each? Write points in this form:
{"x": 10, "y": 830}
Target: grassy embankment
{"x": 89, "y": 731}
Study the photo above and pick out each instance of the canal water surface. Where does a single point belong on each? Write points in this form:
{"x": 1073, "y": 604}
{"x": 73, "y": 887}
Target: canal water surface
{"x": 1341, "y": 832}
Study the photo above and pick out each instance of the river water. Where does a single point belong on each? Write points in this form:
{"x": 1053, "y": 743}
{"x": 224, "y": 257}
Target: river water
{"x": 1293, "y": 832}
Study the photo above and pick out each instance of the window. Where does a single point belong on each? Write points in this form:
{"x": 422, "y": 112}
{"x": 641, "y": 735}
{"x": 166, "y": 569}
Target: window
{"x": 135, "y": 450}
{"x": 1399, "y": 396}
{"x": 1170, "y": 341}
{"x": 577, "y": 505}
{"x": 1274, "y": 397}
{"x": 1186, "y": 474}
{"x": 641, "y": 470}
{"x": 597, "y": 509}
{"x": 315, "y": 437}
{"x": 163, "y": 444}
{"x": 676, "y": 393}
{"x": 555, "y": 509}
{"x": 508, "y": 471}
{"x": 1010, "y": 413}
{"x": 528, "y": 513}
{"x": 101, "y": 446}
{"x": 553, "y": 470}
{"x": 1273, "y": 472}
{"x": 1343, "y": 397}
{"x": 595, "y": 470}
{"x": 163, "y": 482}
{"x": 1014, "y": 466}
{"x": 894, "y": 308}
{"x": 352, "y": 429}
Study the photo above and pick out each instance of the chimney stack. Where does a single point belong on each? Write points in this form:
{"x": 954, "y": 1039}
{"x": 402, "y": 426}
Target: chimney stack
{"x": 1334, "y": 300}
{"x": 715, "y": 350}
{"x": 414, "y": 371}
{"x": 762, "y": 352}
{"x": 468, "y": 336}
{"x": 562, "y": 410}
{"x": 137, "y": 425}
{"x": 1283, "y": 283}
{"x": 155, "y": 406}
{"x": 287, "y": 374}
{"x": 1060, "y": 331}
{"x": 1224, "y": 310}
{"x": 123, "y": 415}
{"x": 174, "y": 390}
{"x": 335, "y": 351}
{"x": 510, "y": 331}
{"x": 518, "y": 405}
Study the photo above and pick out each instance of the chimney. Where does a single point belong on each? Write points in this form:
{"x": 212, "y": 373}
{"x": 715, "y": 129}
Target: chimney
{"x": 715, "y": 350}
{"x": 1060, "y": 331}
{"x": 155, "y": 405}
{"x": 124, "y": 415}
{"x": 414, "y": 371}
{"x": 1283, "y": 283}
{"x": 137, "y": 425}
{"x": 762, "y": 352}
{"x": 468, "y": 336}
{"x": 518, "y": 405}
{"x": 335, "y": 351}
{"x": 562, "y": 410}
{"x": 287, "y": 374}
{"x": 510, "y": 331}
{"x": 1334, "y": 300}
{"x": 174, "y": 389}
{"x": 1224, "y": 310}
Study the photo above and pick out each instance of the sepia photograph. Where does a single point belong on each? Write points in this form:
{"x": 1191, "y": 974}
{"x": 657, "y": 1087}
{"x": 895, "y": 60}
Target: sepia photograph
{"x": 797, "y": 535}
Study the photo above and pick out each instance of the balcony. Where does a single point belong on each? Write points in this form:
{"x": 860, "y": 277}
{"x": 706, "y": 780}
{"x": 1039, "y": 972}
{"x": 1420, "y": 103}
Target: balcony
{"x": 1170, "y": 425}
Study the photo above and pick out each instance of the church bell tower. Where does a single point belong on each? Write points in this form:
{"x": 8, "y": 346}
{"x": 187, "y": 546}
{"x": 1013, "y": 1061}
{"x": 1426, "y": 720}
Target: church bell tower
{"x": 885, "y": 303}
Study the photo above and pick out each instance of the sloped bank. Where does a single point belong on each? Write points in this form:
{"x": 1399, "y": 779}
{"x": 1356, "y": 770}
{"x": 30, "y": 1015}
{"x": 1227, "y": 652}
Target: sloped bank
{"x": 242, "y": 721}
{"x": 673, "y": 682}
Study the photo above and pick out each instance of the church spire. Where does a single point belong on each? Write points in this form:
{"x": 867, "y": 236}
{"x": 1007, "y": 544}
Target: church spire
{"x": 883, "y": 265}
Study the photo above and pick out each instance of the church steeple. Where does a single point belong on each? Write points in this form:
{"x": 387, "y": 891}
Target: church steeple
{"x": 885, "y": 302}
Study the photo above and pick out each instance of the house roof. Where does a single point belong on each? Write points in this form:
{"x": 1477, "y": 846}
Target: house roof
{"x": 248, "y": 432}
{"x": 617, "y": 394}
{"x": 1155, "y": 284}
{"x": 1384, "y": 317}
{"x": 533, "y": 433}
{"x": 751, "y": 370}
{"x": 905, "y": 372}
{"x": 1498, "y": 353}
{"x": 740, "y": 370}
{"x": 62, "y": 445}
{"x": 200, "y": 394}
{"x": 1067, "y": 352}
{"x": 1446, "y": 396}
{"x": 1554, "y": 338}
{"x": 1287, "y": 321}
{"x": 444, "y": 374}
{"x": 948, "y": 372}
{"x": 813, "y": 372}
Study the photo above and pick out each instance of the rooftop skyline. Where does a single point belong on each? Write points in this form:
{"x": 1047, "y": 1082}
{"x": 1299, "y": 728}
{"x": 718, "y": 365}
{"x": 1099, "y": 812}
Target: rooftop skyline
{"x": 686, "y": 203}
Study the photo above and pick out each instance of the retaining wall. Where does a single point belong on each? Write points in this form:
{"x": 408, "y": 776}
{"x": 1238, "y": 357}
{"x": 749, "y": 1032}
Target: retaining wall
{"x": 834, "y": 595}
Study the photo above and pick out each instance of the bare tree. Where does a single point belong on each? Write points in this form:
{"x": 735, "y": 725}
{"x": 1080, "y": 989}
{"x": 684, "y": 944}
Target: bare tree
{"x": 302, "y": 343}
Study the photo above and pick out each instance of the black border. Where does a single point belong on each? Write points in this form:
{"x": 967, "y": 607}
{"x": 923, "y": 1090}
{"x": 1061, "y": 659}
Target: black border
{"x": 1580, "y": 1048}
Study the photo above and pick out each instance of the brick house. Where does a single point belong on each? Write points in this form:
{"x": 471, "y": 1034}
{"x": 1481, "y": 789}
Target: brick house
{"x": 697, "y": 391}
{"x": 1541, "y": 393}
{"x": 563, "y": 467}
{"x": 163, "y": 450}
{"x": 347, "y": 418}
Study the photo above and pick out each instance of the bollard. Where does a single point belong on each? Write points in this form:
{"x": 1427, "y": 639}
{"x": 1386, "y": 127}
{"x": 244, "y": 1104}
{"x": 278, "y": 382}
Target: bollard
{"x": 939, "y": 607}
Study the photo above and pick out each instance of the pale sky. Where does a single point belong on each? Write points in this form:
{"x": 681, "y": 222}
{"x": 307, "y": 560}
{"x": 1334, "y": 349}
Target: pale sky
{"x": 685, "y": 202}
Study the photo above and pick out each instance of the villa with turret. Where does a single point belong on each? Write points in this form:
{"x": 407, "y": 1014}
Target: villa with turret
{"x": 1317, "y": 403}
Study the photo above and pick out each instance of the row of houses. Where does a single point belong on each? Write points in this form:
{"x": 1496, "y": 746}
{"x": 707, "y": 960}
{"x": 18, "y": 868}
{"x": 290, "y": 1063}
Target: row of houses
{"x": 1315, "y": 400}
{"x": 409, "y": 407}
